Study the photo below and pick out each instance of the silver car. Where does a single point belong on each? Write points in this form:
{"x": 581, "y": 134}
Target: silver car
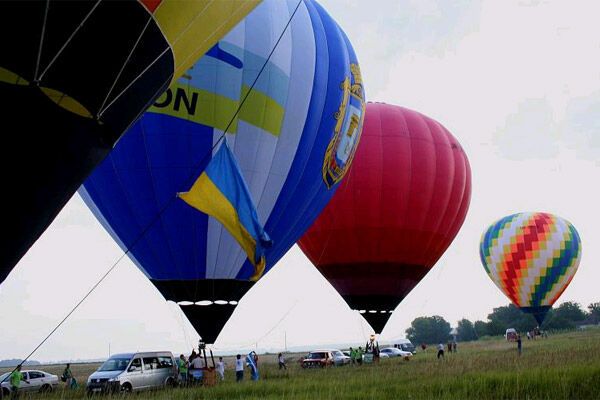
{"x": 134, "y": 371}
{"x": 395, "y": 352}
{"x": 34, "y": 381}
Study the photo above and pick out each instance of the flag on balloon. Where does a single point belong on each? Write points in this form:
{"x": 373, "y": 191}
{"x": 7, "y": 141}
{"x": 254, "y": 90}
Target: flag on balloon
{"x": 221, "y": 192}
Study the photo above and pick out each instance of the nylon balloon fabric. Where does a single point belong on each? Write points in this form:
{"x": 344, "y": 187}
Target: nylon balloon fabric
{"x": 74, "y": 75}
{"x": 395, "y": 214}
{"x": 532, "y": 257}
{"x": 294, "y": 138}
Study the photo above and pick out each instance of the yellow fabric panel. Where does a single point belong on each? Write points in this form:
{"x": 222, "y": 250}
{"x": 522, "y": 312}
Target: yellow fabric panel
{"x": 216, "y": 111}
{"x": 194, "y": 26}
{"x": 262, "y": 111}
{"x": 10, "y": 77}
{"x": 207, "y": 198}
{"x": 211, "y": 109}
{"x": 66, "y": 102}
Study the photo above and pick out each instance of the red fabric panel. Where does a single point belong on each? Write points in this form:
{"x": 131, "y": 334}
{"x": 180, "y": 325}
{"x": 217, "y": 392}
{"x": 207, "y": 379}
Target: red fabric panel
{"x": 401, "y": 204}
{"x": 151, "y": 5}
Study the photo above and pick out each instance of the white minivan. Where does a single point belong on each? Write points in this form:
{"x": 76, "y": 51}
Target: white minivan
{"x": 134, "y": 371}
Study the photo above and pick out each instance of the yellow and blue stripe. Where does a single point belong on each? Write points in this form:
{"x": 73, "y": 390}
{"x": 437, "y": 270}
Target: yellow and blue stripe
{"x": 221, "y": 192}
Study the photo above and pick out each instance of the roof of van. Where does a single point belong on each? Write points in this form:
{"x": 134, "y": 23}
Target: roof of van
{"x": 142, "y": 354}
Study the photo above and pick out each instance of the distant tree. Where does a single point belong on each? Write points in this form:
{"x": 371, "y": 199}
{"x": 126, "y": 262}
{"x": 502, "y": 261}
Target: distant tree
{"x": 481, "y": 328}
{"x": 466, "y": 330}
{"x": 429, "y": 330}
{"x": 570, "y": 311}
{"x": 594, "y": 312}
{"x": 557, "y": 322}
{"x": 509, "y": 316}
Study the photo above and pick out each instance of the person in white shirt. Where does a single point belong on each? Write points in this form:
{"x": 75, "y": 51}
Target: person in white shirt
{"x": 198, "y": 363}
{"x": 440, "y": 351}
{"x": 221, "y": 368}
{"x": 281, "y": 361}
{"x": 239, "y": 368}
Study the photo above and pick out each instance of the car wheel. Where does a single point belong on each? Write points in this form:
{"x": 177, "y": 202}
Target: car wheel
{"x": 126, "y": 388}
{"x": 171, "y": 382}
{"x": 46, "y": 389}
{"x": 5, "y": 392}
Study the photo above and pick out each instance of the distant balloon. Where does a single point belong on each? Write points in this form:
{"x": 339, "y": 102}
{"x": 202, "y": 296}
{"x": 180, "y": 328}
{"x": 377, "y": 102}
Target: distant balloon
{"x": 401, "y": 205}
{"x": 294, "y": 139}
{"x": 532, "y": 258}
{"x": 74, "y": 75}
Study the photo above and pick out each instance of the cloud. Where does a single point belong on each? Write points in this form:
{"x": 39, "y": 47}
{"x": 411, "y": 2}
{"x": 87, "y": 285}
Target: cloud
{"x": 529, "y": 133}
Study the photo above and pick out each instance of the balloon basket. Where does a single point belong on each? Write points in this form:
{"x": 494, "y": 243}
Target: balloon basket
{"x": 209, "y": 378}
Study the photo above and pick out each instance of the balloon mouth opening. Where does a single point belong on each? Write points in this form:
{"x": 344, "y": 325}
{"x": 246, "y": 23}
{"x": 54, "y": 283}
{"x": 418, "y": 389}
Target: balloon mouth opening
{"x": 375, "y": 311}
{"x": 204, "y": 303}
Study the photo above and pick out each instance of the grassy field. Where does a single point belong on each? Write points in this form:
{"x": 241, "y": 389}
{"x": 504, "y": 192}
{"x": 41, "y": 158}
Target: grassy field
{"x": 565, "y": 366}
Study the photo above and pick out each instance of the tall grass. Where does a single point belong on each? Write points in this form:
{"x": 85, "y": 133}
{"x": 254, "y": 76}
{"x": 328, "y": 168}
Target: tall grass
{"x": 565, "y": 366}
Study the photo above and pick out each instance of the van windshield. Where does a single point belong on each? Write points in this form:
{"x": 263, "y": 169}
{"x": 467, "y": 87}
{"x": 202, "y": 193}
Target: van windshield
{"x": 115, "y": 364}
{"x": 407, "y": 347}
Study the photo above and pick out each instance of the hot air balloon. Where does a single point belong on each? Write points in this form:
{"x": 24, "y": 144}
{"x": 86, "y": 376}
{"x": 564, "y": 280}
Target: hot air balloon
{"x": 397, "y": 211}
{"x": 532, "y": 257}
{"x": 293, "y": 138}
{"x": 73, "y": 76}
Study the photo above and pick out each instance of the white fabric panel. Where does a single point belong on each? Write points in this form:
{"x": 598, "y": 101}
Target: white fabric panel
{"x": 503, "y": 240}
{"x": 299, "y": 95}
{"x": 265, "y": 159}
{"x": 277, "y": 14}
{"x": 564, "y": 228}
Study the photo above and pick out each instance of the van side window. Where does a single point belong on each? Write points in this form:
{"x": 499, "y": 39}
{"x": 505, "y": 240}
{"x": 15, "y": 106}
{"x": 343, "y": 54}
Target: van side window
{"x": 150, "y": 363}
{"x": 137, "y": 362}
{"x": 165, "y": 362}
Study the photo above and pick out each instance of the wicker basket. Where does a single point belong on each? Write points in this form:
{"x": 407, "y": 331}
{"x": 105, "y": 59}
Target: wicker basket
{"x": 209, "y": 378}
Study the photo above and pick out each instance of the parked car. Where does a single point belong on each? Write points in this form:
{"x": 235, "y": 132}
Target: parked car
{"x": 395, "y": 352}
{"x": 404, "y": 345}
{"x": 35, "y": 381}
{"x": 325, "y": 358}
{"x": 511, "y": 334}
{"x": 134, "y": 371}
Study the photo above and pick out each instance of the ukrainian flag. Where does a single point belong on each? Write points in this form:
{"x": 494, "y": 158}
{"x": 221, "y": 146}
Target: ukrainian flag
{"x": 221, "y": 192}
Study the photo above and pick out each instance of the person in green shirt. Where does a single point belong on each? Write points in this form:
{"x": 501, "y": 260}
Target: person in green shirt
{"x": 359, "y": 355}
{"x": 67, "y": 377}
{"x": 182, "y": 363}
{"x": 353, "y": 355}
{"x": 15, "y": 381}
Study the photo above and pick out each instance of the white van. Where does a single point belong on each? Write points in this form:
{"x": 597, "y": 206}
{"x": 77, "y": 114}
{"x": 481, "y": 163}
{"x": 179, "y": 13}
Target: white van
{"x": 405, "y": 345}
{"x": 134, "y": 371}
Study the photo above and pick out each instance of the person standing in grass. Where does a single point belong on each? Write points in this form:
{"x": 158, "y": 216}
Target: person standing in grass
{"x": 440, "y": 353}
{"x": 221, "y": 368}
{"x": 359, "y": 355}
{"x": 67, "y": 377}
{"x": 15, "y": 382}
{"x": 239, "y": 368}
{"x": 281, "y": 361}
{"x": 353, "y": 355}
{"x": 519, "y": 344}
{"x": 183, "y": 369}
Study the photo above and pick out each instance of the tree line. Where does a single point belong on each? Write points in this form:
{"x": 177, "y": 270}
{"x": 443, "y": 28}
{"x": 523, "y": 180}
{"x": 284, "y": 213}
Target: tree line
{"x": 436, "y": 329}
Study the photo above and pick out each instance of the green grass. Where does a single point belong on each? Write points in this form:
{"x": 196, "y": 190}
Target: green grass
{"x": 565, "y": 366}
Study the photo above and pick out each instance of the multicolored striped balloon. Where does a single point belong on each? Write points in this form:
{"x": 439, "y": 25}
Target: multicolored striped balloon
{"x": 532, "y": 258}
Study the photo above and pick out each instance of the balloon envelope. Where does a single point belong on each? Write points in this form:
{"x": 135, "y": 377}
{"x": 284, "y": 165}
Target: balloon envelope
{"x": 401, "y": 205}
{"x": 73, "y": 76}
{"x": 532, "y": 257}
{"x": 291, "y": 145}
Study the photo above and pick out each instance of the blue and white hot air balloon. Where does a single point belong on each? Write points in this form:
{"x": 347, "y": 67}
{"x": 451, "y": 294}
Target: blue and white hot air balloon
{"x": 294, "y": 140}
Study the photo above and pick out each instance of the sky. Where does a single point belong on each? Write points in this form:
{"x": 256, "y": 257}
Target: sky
{"x": 516, "y": 82}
